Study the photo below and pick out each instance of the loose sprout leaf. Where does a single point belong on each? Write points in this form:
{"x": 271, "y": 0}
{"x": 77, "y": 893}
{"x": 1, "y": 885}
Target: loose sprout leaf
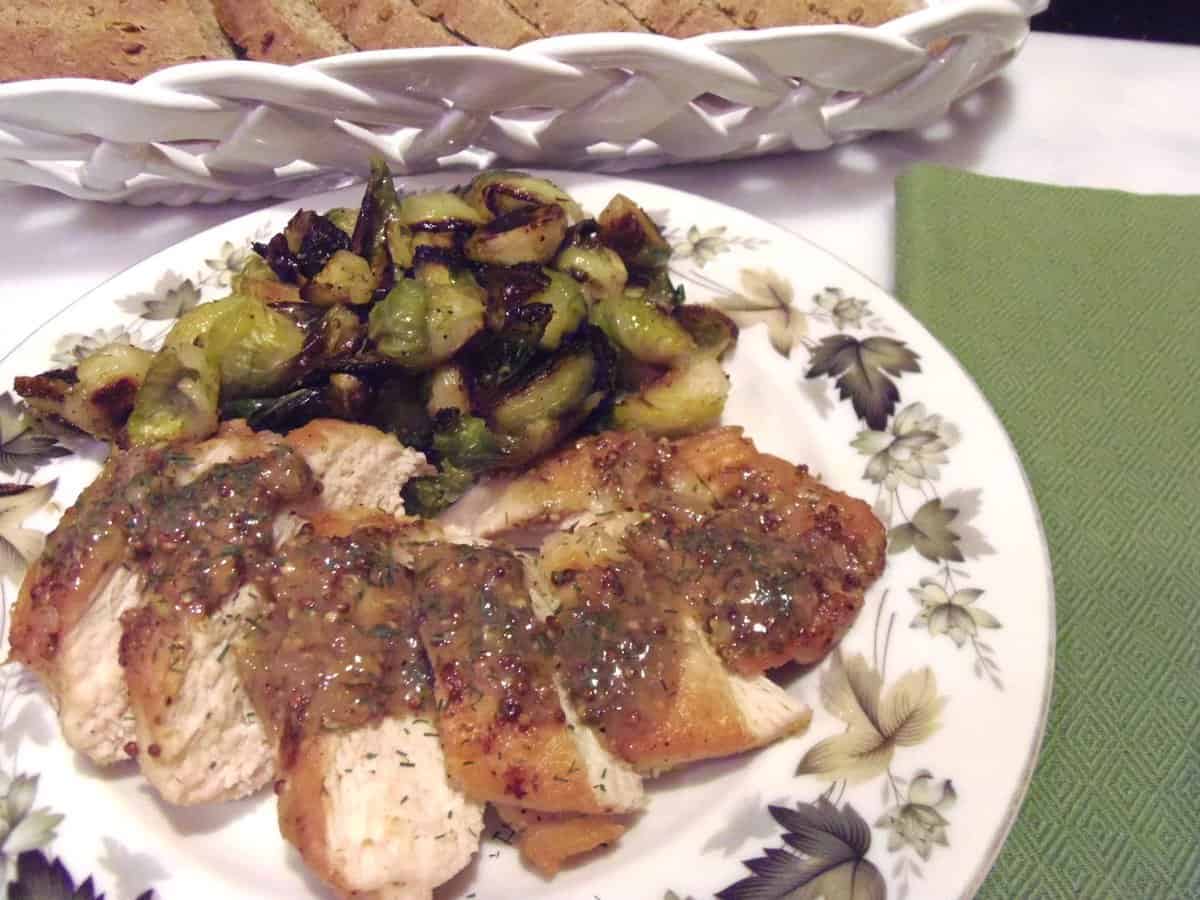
{"x": 320, "y": 242}
{"x": 496, "y": 358}
{"x": 280, "y": 258}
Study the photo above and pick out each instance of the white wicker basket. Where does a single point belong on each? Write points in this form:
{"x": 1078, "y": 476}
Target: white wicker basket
{"x": 214, "y": 131}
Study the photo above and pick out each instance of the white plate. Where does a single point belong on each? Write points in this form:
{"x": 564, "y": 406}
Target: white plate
{"x": 959, "y": 630}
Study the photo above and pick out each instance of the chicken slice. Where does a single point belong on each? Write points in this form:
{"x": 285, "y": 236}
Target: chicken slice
{"x": 507, "y": 736}
{"x": 637, "y": 665}
{"x": 336, "y": 671}
{"x": 198, "y": 544}
{"x": 66, "y": 622}
{"x": 773, "y": 563}
{"x": 196, "y": 727}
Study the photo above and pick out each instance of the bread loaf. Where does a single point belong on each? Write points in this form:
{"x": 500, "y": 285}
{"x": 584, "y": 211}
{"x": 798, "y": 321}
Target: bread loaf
{"x": 119, "y": 40}
{"x": 124, "y": 40}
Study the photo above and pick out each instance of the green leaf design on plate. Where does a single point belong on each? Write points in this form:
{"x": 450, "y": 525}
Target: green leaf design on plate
{"x": 876, "y": 721}
{"x": 829, "y": 860}
{"x": 918, "y": 821}
{"x": 929, "y": 532}
{"x": 860, "y": 370}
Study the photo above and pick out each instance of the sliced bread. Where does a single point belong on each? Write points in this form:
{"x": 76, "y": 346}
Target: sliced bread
{"x": 384, "y": 24}
{"x": 118, "y": 40}
{"x": 280, "y": 31}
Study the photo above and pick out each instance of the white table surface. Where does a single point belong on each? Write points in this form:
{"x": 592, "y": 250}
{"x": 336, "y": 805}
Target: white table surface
{"x": 1077, "y": 111}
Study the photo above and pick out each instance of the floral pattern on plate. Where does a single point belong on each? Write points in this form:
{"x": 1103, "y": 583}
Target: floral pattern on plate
{"x": 874, "y": 802}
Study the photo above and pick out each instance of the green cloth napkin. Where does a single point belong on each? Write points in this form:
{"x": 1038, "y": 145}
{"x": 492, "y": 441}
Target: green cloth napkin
{"x": 1078, "y": 313}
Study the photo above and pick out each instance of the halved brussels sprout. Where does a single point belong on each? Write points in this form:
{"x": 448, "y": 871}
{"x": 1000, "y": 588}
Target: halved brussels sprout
{"x": 256, "y": 279}
{"x": 499, "y": 192}
{"x": 598, "y": 268}
{"x": 439, "y": 211}
{"x": 713, "y": 331}
{"x": 254, "y": 347}
{"x": 531, "y": 234}
{"x": 340, "y": 331}
{"x": 344, "y": 217}
{"x": 400, "y": 244}
{"x": 498, "y": 357}
{"x": 626, "y": 228}
{"x": 686, "y": 399}
{"x": 550, "y": 393}
{"x": 346, "y": 278}
{"x": 642, "y": 329}
{"x": 569, "y": 308}
{"x": 655, "y": 286}
{"x": 419, "y": 325}
{"x": 178, "y": 399}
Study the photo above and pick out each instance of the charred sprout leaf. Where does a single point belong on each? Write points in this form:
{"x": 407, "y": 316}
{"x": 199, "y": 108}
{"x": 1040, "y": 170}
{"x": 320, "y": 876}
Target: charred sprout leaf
{"x": 626, "y": 228}
{"x": 498, "y": 357}
{"x": 279, "y": 414}
{"x": 465, "y": 442}
{"x": 713, "y": 331}
{"x": 178, "y": 399}
{"x": 598, "y": 268}
{"x": 428, "y": 495}
{"x": 642, "y": 329}
{"x": 380, "y": 207}
{"x": 397, "y": 409}
{"x": 321, "y": 241}
{"x": 531, "y": 234}
{"x": 508, "y": 287}
{"x": 280, "y": 258}
{"x": 688, "y": 398}
{"x": 498, "y": 192}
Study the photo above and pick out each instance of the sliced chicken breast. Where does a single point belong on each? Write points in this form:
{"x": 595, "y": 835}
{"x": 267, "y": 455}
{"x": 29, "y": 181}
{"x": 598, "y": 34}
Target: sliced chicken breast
{"x": 196, "y": 728}
{"x": 507, "y": 736}
{"x": 637, "y": 665}
{"x": 772, "y": 563}
{"x": 337, "y": 673}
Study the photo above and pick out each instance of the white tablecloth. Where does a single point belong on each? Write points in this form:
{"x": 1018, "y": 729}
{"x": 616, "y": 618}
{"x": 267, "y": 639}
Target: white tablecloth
{"x": 1077, "y": 111}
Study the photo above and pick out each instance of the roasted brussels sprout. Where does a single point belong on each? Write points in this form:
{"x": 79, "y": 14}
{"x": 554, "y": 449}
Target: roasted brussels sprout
{"x": 686, "y": 399}
{"x": 465, "y": 442}
{"x": 252, "y": 345}
{"x": 256, "y": 279}
{"x": 340, "y": 331}
{"x": 550, "y": 392}
{"x": 626, "y": 228}
{"x": 439, "y": 211}
{"x": 713, "y": 331}
{"x": 568, "y": 308}
{"x": 397, "y": 409}
{"x": 178, "y": 399}
{"x": 531, "y": 234}
{"x": 497, "y": 357}
{"x": 598, "y": 268}
{"x": 95, "y": 396}
{"x": 345, "y": 278}
{"x": 499, "y": 192}
{"x": 428, "y": 495}
{"x": 344, "y": 217}
{"x": 654, "y": 285}
{"x": 642, "y": 329}
{"x": 420, "y": 326}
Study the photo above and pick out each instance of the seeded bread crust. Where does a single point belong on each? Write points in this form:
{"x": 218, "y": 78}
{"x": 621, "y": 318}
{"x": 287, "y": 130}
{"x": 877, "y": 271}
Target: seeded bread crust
{"x": 117, "y": 40}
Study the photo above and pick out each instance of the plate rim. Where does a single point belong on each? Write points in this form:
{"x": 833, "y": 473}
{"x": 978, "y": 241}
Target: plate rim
{"x": 1032, "y": 754}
